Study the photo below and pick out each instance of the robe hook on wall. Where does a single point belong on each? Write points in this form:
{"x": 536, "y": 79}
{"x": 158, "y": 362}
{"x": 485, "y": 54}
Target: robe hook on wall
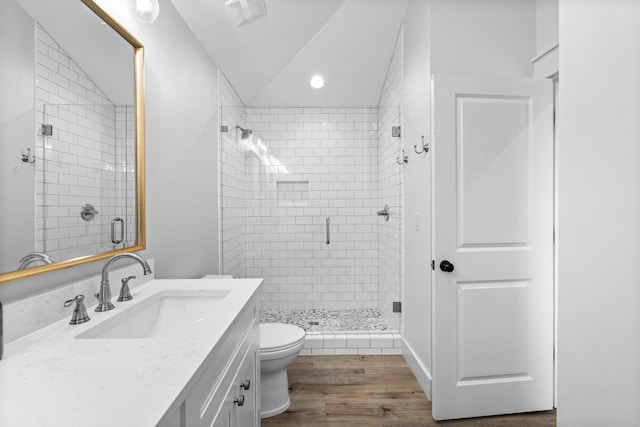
{"x": 28, "y": 158}
{"x": 405, "y": 159}
{"x": 424, "y": 149}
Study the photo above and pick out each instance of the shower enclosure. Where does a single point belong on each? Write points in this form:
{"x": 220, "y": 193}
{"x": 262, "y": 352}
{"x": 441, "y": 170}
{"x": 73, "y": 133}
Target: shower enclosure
{"x": 84, "y": 160}
{"x": 299, "y": 197}
{"x": 85, "y": 179}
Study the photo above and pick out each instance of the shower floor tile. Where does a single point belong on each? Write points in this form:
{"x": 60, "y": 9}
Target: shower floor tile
{"x": 324, "y": 320}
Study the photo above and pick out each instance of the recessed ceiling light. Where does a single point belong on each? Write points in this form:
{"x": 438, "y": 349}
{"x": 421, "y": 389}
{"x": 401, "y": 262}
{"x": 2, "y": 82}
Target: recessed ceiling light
{"x": 317, "y": 81}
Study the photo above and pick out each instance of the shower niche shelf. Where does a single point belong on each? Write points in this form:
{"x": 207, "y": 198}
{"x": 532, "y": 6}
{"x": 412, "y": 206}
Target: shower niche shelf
{"x": 292, "y": 193}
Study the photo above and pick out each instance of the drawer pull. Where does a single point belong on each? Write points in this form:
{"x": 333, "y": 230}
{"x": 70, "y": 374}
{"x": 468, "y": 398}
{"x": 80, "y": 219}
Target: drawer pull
{"x": 245, "y": 385}
{"x": 239, "y": 400}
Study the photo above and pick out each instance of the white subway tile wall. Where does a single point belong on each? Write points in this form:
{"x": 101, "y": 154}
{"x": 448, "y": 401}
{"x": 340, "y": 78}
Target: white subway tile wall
{"x": 302, "y": 167}
{"x": 233, "y": 196}
{"x": 352, "y": 343}
{"x": 293, "y": 193}
{"x": 390, "y": 187}
{"x": 92, "y": 140}
{"x": 126, "y": 171}
{"x": 329, "y": 158}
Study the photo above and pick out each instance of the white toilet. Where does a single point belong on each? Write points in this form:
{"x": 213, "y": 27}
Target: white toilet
{"x": 280, "y": 344}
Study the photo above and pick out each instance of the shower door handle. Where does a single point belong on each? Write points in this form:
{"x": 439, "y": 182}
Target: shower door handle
{"x": 328, "y": 221}
{"x": 113, "y": 231}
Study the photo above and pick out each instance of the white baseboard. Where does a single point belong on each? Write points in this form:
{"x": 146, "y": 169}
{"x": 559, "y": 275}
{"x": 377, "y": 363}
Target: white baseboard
{"x": 419, "y": 370}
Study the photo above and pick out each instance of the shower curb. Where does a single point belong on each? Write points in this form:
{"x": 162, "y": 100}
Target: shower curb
{"x": 351, "y": 343}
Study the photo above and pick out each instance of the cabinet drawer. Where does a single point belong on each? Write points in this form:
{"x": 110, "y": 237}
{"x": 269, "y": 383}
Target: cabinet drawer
{"x": 207, "y": 394}
{"x": 248, "y": 414}
{"x": 226, "y": 388}
{"x": 222, "y": 406}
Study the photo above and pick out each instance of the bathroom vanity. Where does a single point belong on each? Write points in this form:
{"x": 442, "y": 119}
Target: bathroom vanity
{"x": 181, "y": 353}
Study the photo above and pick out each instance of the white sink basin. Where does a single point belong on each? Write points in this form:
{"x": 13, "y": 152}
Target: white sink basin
{"x": 165, "y": 314}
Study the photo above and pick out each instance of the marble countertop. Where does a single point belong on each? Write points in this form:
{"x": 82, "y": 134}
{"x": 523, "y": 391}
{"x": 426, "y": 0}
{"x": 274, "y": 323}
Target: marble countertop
{"x": 50, "y": 378}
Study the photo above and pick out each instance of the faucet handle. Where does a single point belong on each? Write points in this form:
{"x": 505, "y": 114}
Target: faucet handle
{"x": 79, "y": 312}
{"x": 125, "y": 293}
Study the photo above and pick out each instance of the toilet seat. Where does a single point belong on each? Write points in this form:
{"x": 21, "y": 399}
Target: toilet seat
{"x": 275, "y": 337}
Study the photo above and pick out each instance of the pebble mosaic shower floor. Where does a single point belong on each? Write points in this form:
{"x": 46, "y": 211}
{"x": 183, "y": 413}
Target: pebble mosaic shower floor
{"x": 324, "y": 320}
{"x": 356, "y": 331}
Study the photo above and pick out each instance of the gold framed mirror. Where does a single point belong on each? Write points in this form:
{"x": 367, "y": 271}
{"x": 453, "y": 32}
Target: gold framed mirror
{"x": 81, "y": 172}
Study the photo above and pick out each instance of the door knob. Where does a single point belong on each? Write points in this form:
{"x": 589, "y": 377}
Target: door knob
{"x": 446, "y": 266}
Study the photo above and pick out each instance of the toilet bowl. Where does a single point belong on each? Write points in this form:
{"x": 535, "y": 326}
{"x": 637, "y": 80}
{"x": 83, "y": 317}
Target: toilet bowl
{"x": 280, "y": 344}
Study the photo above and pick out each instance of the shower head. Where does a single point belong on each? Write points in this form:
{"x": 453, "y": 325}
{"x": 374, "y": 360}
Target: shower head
{"x": 245, "y": 132}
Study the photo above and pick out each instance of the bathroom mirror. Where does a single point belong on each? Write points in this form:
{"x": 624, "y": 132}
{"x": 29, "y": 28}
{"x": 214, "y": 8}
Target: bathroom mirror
{"x": 71, "y": 137}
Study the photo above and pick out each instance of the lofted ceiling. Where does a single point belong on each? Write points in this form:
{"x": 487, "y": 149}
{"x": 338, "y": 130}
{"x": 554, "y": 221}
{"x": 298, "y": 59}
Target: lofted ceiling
{"x": 271, "y": 60}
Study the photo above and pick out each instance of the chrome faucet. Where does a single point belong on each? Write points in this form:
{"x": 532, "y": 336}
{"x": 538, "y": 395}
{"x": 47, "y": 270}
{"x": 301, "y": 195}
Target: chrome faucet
{"x": 29, "y": 259}
{"x": 104, "y": 296}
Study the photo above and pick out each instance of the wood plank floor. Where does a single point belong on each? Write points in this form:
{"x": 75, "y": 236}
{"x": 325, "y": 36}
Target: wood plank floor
{"x": 377, "y": 391}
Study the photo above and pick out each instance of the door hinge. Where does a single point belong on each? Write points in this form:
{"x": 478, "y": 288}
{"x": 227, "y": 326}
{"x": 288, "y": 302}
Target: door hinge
{"x": 433, "y": 264}
{"x": 397, "y": 307}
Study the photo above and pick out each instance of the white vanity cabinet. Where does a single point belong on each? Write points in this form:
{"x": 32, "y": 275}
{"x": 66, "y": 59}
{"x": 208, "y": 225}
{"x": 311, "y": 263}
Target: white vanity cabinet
{"x": 239, "y": 406}
{"x": 225, "y": 390}
{"x": 182, "y": 353}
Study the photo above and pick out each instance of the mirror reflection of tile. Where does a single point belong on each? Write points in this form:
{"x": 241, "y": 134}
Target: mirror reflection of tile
{"x": 89, "y": 147}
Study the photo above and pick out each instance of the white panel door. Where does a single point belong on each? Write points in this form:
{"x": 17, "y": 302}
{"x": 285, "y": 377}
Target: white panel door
{"x": 493, "y": 223}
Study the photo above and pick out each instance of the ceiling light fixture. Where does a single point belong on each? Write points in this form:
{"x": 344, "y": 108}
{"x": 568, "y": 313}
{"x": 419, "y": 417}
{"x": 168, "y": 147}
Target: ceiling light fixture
{"x": 244, "y": 11}
{"x": 317, "y": 81}
{"x": 146, "y": 11}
